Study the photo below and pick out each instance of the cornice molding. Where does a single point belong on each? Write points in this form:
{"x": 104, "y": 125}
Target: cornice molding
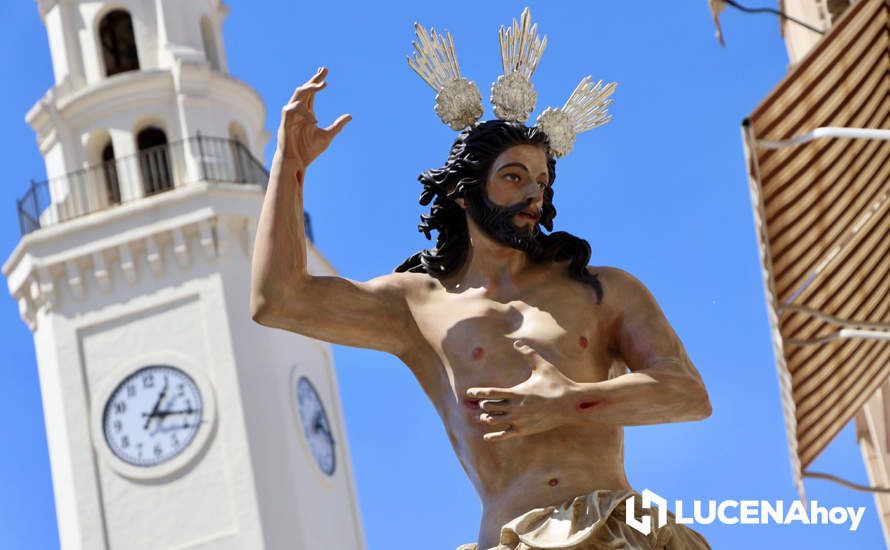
{"x": 42, "y": 269}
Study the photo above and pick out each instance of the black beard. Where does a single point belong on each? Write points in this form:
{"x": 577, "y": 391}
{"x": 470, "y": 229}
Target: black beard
{"x": 497, "y": 222}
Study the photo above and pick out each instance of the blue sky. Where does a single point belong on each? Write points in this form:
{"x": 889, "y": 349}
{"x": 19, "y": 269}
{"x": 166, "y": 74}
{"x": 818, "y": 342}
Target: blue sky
{"x": 660, "y": 191}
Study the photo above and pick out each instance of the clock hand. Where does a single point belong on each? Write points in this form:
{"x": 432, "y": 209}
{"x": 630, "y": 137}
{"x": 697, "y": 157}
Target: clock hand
{"x": 164, "y": 414}
{"x": 160, "y": 414}
{"x": 167, "y": 429}
{"x": 321, "y": 426}
{"x": 157, "y": 404}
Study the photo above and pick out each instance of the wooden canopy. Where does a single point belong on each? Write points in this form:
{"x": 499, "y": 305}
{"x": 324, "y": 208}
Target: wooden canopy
{"x": 822, "y": 215}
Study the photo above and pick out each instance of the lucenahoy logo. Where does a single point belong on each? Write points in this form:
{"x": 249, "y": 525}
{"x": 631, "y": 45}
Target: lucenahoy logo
{"x": 746, "y": 512}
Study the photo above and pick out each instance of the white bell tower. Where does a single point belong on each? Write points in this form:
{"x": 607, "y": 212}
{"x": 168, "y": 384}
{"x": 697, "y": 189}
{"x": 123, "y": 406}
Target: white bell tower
{"x": 173, "y": 419}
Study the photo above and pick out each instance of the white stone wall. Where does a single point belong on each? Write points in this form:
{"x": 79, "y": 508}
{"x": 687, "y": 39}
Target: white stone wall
{"x": 57, "y": 48}
{"x": 800, "y": 40}
{"x": 213, "y": 499}
{"x": 271, "y": 360}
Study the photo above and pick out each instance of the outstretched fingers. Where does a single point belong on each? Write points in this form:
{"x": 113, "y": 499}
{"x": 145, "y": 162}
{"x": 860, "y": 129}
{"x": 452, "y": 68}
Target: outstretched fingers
{"x": 492, "y": 419}
{"x": 319, "y": 75}
{"x": 318, "y": 78}
{"x": 310, "y": 99}
{"x": 338, "y": 125}
{"x": 316, "y": 83}
{"x": 499, "y": 406}
{"x": 501, "y": 435}
{"x": 490, "y": 393}
{"x": 305, "y": 94}
{"x": 497, "y": 423}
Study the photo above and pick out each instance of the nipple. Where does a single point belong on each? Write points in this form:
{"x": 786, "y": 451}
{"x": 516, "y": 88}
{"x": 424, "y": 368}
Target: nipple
{"x": 553, "y": 482}
{"x": 478, "y": 352}
{"x": 582, "y": 341}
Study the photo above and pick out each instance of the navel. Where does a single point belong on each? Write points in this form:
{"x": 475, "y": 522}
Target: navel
{"x": 478, "y": 352}
{"x": 588, "y": 404}
{"x": 553, "y": 482}
{"x": 582, "y": 341}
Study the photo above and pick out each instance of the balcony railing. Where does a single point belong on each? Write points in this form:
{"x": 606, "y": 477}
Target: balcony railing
{"x": 124, "y": 179}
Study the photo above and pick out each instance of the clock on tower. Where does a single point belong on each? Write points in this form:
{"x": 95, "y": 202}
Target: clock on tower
{"x": 316, "y": 426}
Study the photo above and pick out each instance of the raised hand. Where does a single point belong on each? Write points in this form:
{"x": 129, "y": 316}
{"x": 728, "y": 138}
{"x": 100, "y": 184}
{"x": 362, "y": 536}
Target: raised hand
{"x": 542, "y": 402}
{"x": 299, "y": 137}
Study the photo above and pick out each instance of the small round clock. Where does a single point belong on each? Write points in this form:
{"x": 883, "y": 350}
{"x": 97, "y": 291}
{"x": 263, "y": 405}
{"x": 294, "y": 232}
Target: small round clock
{"x": 316, "y": 426}
{"x": 152, "y": 416}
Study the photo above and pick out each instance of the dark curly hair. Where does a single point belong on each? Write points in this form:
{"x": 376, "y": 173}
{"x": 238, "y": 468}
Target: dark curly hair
{"x": 464, "y": 175}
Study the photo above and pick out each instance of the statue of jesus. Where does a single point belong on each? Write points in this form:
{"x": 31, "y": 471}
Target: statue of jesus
{"x": 534, "y": 360}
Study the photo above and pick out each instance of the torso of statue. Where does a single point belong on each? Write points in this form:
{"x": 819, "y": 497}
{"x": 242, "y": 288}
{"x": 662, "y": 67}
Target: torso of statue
{"x": 469, "y": 342}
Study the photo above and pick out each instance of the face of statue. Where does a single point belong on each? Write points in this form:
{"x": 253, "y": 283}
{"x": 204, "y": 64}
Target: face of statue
{"x": 510, "y": 208}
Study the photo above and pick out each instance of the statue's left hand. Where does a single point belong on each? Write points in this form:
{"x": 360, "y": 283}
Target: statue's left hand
{"x": 542, "y": 402}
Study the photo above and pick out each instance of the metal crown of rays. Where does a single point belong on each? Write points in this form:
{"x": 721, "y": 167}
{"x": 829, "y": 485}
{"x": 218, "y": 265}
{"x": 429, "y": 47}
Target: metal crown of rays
{"x": 459, "y": 103}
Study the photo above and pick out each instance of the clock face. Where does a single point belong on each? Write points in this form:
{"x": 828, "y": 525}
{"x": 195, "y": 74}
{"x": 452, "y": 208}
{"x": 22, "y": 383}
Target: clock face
{"x": 152, "y": 415}
{"x": 316, "y": 426}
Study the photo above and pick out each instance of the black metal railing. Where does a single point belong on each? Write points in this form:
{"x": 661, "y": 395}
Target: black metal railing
{"x": 151, "y": 171}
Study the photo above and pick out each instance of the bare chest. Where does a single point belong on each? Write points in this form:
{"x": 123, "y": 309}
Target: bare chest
{"x": 472, "y": 337}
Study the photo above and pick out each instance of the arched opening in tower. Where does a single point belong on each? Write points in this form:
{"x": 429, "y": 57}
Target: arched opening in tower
{"x": 118, "y": 43}
{"x": 154, "y": 160}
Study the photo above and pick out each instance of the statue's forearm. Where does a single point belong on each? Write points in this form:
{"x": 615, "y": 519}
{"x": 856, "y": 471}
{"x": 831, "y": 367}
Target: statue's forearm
{"x": 279, "y": 254}
{"x": 655, "y": 395}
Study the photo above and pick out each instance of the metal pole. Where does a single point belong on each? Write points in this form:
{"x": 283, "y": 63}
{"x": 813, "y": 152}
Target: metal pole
{"x": 201, "y": 153}
{"x": 832, "y": 132}
{"x": 18, "y": 207}
{"x": 36, "y": 208}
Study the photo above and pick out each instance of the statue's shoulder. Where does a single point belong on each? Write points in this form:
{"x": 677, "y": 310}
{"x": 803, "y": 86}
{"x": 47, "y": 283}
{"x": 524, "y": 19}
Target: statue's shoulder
{"x": 406, "y": 283}
{"x": 618, "y": 284}
{"x": 607, "y": 272}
